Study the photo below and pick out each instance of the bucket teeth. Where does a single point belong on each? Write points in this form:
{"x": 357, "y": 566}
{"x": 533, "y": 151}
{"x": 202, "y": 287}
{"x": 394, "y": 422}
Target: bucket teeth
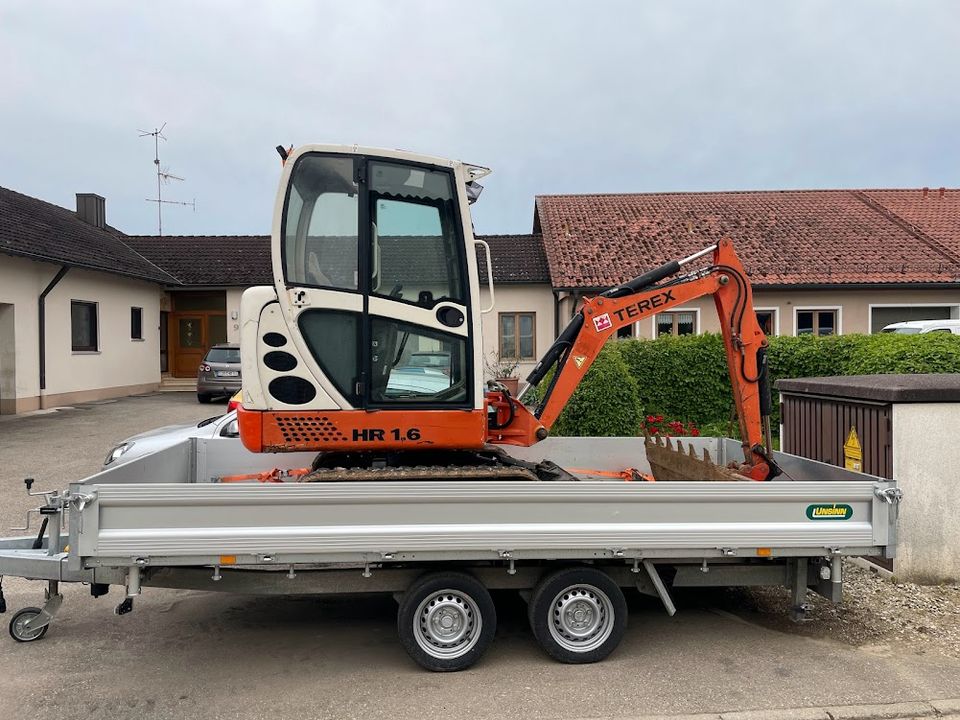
{"x": 669, "y": 461}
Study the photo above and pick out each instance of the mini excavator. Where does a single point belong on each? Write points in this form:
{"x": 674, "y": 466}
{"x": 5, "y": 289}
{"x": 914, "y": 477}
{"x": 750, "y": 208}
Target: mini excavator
{"x": 368, "y": 348}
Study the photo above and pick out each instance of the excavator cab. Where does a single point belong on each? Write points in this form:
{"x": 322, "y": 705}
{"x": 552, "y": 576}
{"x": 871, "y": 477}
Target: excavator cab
{"x": 374, "y": 266}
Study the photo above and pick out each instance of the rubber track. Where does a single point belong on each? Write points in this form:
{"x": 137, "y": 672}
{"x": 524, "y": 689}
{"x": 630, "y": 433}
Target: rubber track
{"x": 419, "y": 472}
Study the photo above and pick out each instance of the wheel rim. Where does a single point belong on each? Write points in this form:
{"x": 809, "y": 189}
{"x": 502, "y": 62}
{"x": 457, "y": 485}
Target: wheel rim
{"x": 581, "y": 618}
{"x": 20, "y": 627}
{"x": 447, "y": 624}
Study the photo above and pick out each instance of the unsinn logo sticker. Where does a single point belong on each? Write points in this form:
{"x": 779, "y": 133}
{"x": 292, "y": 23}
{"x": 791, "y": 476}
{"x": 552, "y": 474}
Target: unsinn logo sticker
{"x": 829, "y": 512}
{"x": 602, "y": 322}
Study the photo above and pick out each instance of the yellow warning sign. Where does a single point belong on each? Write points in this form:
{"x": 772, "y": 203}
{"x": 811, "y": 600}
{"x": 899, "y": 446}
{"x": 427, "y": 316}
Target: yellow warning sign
{"x": 852, "y": 452}
{"x": 579, "y": 360}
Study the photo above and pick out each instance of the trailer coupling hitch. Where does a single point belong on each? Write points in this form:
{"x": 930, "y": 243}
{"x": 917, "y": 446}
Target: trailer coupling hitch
{"x": 890, "y": 495}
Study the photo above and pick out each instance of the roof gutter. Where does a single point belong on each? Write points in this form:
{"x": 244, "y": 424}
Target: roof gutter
{"x": 42, "y": 317}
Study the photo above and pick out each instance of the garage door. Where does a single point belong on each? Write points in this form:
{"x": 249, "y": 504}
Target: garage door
{"x": 880, "y": 317}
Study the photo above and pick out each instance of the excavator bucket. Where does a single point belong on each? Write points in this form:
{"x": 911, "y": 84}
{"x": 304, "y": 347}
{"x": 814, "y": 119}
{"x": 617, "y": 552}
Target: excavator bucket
{"x": 669, "y": 461}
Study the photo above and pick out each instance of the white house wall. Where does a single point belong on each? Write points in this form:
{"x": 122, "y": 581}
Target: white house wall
{"x": 535, "y": 298}
{"x": 120, "y": 366}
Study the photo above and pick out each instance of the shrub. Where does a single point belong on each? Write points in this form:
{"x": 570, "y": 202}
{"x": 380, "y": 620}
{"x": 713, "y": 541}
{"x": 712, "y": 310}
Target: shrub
{"x": 605, "y": 404}
{"x": 686, "y": 377}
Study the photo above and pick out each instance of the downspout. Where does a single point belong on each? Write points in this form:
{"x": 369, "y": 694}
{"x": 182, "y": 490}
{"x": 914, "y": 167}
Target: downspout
{"x": 41, "y": 303}
{"x": 556, "y": 314}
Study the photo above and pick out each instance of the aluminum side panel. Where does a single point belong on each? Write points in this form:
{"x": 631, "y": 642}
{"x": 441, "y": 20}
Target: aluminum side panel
{"x": 198, "y": 520}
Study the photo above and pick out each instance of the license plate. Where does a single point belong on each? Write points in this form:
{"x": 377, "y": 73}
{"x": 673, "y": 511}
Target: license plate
{"x": 227, "y": 373}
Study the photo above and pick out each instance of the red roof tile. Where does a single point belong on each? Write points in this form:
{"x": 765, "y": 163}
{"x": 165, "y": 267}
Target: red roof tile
{"x": 784, "y": 237}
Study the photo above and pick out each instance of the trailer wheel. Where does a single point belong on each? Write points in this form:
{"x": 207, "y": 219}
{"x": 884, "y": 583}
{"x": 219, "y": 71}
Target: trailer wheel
{"x": 18, "y": 629}
{"x": 446, "y": 621}
{"x": 578, "y": 615}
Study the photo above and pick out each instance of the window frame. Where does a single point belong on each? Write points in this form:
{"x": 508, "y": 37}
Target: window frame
{"x": 139, "y": 310}
{"x": 86, "y": 349}
{"x": 677, "y": 311}
{"x": 516, "y": 336}
{"x": 776, "y": 317}
{"x": 837, "y": 309}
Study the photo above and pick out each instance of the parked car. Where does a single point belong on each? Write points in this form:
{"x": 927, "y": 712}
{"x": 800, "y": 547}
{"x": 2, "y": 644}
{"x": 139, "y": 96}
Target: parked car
{"x": 917, "y": 327}
{"x": 219, "y": 373}
{"x": 435, "y": 360}
{"x": 221, "y": 429}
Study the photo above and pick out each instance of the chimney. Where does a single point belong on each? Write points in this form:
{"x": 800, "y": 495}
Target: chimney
{"x": 92, "y": 209}
{"x": 941, "y": 191}
{"x": 926, "y": 191}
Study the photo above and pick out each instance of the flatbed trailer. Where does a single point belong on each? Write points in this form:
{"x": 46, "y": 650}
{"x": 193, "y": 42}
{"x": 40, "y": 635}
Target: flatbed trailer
{"x": 569, "y": 547}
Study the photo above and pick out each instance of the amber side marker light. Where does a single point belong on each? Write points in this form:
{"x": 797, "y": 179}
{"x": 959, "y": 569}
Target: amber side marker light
{"x": 228, "y": 559}
{"x": 764, "y": 552}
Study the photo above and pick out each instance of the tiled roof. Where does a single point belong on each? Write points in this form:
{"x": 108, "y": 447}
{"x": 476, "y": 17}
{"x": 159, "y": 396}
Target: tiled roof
{"x": 230, "y": 260}
{"x": 209, "y": 260}
{"x": 833, "y": 237}
{"x": 516, "y": 259}
{"x": 39, "y": 230}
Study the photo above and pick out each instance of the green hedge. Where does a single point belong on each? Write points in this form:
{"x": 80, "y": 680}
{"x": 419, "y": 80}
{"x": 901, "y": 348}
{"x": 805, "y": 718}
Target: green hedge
{"x": 685, "y": 378}
{"x": 606, "y": 403}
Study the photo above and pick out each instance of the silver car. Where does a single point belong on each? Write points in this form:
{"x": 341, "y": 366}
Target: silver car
{"x": 221, "y": 430}
{"x": 219, "y": 373}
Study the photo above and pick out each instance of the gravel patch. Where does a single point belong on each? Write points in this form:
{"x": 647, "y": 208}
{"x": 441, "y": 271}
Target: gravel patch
{"x": 875, "y": 611}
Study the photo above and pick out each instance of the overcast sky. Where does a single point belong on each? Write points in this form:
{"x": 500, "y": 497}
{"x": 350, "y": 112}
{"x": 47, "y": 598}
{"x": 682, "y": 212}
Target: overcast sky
{"x": 556, "y": 97}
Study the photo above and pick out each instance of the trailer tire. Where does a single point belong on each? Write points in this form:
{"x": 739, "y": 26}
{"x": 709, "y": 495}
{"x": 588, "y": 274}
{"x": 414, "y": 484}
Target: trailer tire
{"x": 578, "y": 615}
{"x": 446, "y": 621}
{"x": 21, "y": 634}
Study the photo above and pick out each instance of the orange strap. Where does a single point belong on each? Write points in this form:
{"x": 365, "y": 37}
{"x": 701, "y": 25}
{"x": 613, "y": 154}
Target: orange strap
{"x": 268, "y": 476}
{"x": 628, "y": 475}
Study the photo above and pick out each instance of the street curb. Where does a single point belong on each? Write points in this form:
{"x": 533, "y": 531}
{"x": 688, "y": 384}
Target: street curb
{"x": 949, "y": 708}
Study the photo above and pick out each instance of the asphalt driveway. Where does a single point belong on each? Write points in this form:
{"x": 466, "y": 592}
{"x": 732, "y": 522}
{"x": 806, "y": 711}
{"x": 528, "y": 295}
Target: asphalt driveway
{"x": 206, "y": 655}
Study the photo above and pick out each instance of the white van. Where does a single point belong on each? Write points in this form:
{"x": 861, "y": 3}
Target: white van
{"x": 916, "y": 327}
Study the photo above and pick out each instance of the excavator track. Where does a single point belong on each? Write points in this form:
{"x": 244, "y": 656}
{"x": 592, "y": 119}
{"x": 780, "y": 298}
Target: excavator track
{"x": 420, "y": 472}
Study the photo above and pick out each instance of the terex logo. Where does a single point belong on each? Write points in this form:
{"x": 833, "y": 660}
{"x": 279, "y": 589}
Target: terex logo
{"x": 633, "y": 311}
{"x": 602, "y": 322}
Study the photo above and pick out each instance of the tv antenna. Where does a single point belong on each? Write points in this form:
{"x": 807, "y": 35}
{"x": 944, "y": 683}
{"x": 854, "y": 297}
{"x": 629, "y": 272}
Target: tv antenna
{"x": 164, "y": 176}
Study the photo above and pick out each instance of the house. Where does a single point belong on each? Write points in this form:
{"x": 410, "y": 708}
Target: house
{"x": 821, "y": 262}
{"x": 79, "y": 309}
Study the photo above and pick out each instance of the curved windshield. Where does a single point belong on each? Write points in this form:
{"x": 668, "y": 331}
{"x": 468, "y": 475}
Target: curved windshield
{"x": 320, "y": 223}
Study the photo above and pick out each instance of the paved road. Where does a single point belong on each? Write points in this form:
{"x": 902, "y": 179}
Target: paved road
{"x": 204, "y": 655}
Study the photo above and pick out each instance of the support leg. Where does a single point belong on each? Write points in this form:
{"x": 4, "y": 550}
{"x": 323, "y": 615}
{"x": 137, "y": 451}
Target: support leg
{"x": 661, "y": 588}
{"x": 799, "y": 608}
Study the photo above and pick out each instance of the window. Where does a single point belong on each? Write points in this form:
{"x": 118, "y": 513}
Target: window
{"x": 767, "y": 320}
{"x": 681, "y": 322}
{"x": 320, "y": 224}
{"x": 397, "y": 377}
{"x": 415, "y": 248}
{"x": 83, "y": 326}
{"x": 223, "y": 355}
{"x": 517, "y": 336}
{"x": 817, "y": 322}
{"x": 136, "y": 323}
{"x": 625, "y": 332}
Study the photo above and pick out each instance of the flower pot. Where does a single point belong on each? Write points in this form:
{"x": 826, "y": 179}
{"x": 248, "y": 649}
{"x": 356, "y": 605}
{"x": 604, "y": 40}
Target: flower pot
{"x": 510, "y": 383}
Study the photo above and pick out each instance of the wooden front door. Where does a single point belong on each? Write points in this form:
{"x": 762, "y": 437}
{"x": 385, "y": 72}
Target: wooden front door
{"x": 189, "y": 343}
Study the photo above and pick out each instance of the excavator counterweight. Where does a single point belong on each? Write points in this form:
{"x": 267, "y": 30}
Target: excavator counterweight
{"x": 368, "y": 346}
